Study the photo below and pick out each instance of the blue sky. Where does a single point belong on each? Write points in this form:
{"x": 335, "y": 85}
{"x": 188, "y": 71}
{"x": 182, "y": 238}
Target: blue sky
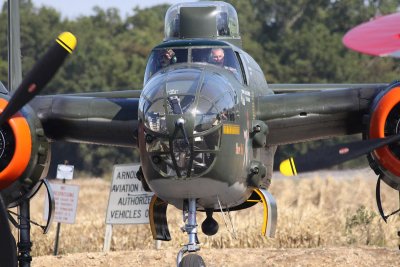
{"x": 74, "y": 8}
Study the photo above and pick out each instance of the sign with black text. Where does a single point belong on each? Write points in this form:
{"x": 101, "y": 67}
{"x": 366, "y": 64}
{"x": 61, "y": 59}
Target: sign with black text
{"x": 66, "y": 203}
{"x": 128, "y": 203}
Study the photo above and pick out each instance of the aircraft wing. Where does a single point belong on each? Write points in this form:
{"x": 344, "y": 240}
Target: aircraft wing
{"x": 373, "y": 111}
{"x": 314, "y": 114}
{"x": 281, "y": 88}
{"x": 99, "y": 118}
{"x": 295, "y": 113}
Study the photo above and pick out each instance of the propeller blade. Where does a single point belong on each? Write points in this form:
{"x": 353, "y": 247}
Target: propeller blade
{"x": 40, "y": 75}
{"x": 8, "y": 248}
{"x": 332, "y": 155}
{"x": 377, "y": 37}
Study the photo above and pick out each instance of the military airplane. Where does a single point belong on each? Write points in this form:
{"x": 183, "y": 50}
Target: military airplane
{"x": 206, "y": 124}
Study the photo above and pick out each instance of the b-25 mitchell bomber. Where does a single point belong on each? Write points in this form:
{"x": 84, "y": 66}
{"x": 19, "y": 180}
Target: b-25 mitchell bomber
{"x": 206, "y": 124}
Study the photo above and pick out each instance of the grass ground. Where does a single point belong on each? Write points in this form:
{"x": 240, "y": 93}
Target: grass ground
{"x": 315, "y": 210}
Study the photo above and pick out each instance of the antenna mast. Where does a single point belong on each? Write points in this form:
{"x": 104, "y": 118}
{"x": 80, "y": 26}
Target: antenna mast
{"x": 14, "y": 46}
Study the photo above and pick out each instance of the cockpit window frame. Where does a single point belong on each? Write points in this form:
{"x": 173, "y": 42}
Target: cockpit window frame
{"x": 240, "y": 76}
{"x": 244, "y": 73}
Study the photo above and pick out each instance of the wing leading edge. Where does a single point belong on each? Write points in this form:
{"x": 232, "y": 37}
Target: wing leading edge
{"x": 86, "y": 119}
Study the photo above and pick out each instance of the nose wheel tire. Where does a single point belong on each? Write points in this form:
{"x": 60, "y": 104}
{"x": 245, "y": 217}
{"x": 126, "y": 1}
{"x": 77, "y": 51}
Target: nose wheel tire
{"x": 189, "y": 217}
{"x": 192, "y": 260}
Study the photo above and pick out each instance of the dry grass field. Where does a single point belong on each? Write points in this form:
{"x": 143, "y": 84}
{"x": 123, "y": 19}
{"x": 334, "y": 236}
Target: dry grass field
{"x": 326, "y": 209}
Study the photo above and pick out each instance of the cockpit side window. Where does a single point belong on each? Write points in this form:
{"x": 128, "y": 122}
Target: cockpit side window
{"x": 162, "y": 58}
{"x": 222, "y": 24}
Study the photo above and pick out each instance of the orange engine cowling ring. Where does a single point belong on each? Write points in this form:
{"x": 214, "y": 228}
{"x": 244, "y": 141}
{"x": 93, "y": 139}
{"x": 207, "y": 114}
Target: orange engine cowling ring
{"x": 23, "y": 148}
{"x": 385, "y": 121}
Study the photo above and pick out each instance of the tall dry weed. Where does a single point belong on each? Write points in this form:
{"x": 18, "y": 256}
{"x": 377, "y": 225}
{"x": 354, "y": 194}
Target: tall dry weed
{"x": 323, "y": 209}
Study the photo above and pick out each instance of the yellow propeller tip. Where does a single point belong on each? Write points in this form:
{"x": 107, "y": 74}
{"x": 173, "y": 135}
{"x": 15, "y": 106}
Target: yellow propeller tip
{"x": 67, "y": 40}
{"x": 287, "y": 167}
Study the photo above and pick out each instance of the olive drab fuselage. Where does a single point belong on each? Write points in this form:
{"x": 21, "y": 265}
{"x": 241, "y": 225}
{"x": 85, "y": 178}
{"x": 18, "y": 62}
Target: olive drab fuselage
{"x": 209, "y": 156}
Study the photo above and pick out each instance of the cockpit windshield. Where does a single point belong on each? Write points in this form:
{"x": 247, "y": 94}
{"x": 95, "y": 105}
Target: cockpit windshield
{"x": 222, "y": 57}
{"x": 161, "y": 58}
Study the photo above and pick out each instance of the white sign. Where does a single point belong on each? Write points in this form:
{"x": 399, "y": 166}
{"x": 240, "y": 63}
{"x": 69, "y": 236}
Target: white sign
{"x": 65, "y": 171}
{"x": 66, "y": 203}
{"x": 128, "y": 203}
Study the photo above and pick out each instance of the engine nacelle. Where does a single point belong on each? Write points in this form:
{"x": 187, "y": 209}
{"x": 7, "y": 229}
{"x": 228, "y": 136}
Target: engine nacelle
{"x": 384, "y": 121}
{"x": 24, "y": 155}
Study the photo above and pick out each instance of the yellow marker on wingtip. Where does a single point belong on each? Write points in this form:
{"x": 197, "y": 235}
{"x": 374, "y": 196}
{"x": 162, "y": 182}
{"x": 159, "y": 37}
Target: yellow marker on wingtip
{"x": 287, "y": 167}
{"x": 67, "y": 40}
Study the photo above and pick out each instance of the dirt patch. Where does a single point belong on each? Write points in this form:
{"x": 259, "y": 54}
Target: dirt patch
{"x": 324, "y": 219}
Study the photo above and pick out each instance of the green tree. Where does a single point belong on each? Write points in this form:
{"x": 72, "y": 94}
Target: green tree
{"x": 294, "y": 42}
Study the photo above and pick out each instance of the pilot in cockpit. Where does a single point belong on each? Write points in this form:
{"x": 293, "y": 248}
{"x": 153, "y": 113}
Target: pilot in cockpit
{"x": 167, "y": 58}
{"x": 217, "y": 56}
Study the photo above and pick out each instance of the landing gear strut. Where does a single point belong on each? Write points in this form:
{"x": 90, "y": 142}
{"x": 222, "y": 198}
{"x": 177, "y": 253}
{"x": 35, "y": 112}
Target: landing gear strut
{"x": 24, "y": 244}
{"x": 189, "y": 217}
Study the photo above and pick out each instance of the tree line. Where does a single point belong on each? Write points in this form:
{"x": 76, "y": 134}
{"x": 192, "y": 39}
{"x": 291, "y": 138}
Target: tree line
{"x": 294, "y": 42}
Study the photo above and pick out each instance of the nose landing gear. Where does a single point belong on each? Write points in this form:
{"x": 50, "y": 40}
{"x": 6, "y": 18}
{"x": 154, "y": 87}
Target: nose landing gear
{"x": 189, "y": 217}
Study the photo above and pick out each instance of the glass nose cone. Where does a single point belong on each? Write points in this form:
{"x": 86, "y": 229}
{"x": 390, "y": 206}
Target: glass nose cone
{"x": 181, "y": 112}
